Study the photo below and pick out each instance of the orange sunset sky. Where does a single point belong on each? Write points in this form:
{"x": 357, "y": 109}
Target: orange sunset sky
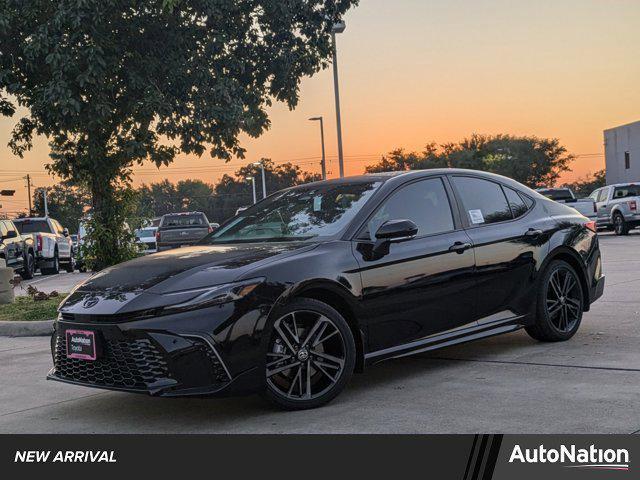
{"x": 414, "y": 71}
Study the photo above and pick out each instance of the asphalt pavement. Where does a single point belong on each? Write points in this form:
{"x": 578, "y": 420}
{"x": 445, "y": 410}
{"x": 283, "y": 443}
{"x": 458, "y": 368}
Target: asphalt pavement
{"x": 506, "y": 384}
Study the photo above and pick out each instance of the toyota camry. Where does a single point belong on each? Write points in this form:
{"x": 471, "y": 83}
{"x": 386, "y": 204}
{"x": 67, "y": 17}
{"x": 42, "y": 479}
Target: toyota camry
{"x": 295, "y": 294}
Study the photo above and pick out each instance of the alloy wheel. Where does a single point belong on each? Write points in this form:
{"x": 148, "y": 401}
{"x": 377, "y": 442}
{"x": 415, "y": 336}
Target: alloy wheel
{"x": 564, "y": 300}
{"x": 306, "y": 357}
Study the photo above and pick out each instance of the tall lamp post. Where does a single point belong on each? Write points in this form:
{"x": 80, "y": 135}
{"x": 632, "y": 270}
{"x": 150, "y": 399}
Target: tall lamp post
{"x": 323, "y": 163}
{"x": 253, "y": 186}
{"x": 338, "y": 27}
{"x": 264, "y": 182}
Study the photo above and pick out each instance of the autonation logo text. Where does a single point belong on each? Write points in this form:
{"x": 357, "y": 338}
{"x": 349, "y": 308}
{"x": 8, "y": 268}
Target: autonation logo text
{"x": 574, "y": 457}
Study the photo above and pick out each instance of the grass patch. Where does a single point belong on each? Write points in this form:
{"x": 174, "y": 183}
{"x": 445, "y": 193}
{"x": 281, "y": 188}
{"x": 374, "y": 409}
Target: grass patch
{"x": 25, "y": 308}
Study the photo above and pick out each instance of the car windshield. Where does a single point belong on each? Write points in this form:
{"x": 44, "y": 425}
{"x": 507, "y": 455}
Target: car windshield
{"x": 316, "y": 211}
{"x": 146, "y": 232}
{"x": 33, "y": 226}
{"x": 557, "y": 194}
{"x": 183, "y": 221}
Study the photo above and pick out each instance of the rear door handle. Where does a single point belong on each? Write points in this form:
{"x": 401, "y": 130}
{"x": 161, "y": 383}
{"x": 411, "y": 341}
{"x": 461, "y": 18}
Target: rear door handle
{"x": 460, "y": 247}
{"x": 532, "y": 232}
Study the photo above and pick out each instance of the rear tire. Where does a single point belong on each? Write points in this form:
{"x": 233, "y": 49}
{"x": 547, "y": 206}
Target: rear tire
{"x": 30, "y": 267}
{"x": 71, "y": 266}
{"x": 620, "y": 226}
{"x": 316, "y": 343}
{"x": 53, "y": 270}
{"x": 559, "y": 305}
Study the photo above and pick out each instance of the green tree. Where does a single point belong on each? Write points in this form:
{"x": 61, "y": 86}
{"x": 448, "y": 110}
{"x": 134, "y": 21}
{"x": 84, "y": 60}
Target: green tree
{"x": 115, "y": 83}
{"x": 536, "y": 162}
{"x": 65, "y": 203}
{"x": 230, "y": 193}
{"x": 583, "y": 187}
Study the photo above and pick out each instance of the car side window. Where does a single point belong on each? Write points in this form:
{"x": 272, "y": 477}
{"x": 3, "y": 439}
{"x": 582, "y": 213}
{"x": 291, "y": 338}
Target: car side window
{"x": 424, "y": 202}
{"x": 516, "y": 202}
{"x": 3, "y": 229}
{"x": 594, "y": 195}
{"x": 57, "y": 227}
{"x": 604, "y": 193}
{"x": 483, "y": 200}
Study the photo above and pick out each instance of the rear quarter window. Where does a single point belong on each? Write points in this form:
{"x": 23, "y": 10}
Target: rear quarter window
{"x": 484, "y": 201}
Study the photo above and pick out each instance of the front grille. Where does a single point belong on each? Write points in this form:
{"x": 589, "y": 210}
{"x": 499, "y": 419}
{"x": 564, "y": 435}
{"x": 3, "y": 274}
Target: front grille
{"x": 132, "y": 364}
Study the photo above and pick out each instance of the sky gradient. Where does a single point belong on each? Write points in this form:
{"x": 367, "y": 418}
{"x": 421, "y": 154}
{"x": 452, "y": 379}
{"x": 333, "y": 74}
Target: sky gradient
{"x": 415, "y": 71}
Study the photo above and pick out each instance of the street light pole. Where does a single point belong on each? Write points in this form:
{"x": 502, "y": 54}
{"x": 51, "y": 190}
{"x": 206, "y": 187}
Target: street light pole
{"x": 253, "y": 186}
{"x": 264, "y": 182}
{"x": 337, "y": 28}
{"x": 323, "y": 163}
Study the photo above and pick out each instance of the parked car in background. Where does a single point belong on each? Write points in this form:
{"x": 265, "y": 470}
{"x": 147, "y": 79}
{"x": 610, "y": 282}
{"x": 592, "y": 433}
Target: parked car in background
{"x": 617, "y": 207}
{"x": 17, "y": 250}
{"x": 586, "y": 206}
{"x": 181, "y": 230}
{"x": 53, "y": 245}
{"x": 146, "y": 239}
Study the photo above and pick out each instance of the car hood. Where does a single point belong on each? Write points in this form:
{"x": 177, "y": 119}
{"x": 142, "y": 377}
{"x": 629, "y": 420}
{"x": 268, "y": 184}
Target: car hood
{"x": 141, "y": 283}
{"x": 188, "y": 268}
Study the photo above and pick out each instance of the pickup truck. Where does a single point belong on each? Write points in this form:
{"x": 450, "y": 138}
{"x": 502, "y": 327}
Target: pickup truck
{"x": 618, "y": 207}
{"x": 53, "y": 245}
{"x": 181, "y": 229}
{"x": 586, "y": 206}
{"x": 17, "y": 250}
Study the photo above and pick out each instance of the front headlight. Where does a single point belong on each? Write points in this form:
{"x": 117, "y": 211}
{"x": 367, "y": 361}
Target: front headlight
{"x": 215, "y": 295}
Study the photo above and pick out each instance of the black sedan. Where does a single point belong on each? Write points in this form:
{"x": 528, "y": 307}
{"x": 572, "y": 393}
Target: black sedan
{"x": 294, "y": 294}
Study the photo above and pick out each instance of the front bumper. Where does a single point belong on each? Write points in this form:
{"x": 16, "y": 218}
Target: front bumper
{"x": 143, "y": 362}
{"x": 195, "y": 353}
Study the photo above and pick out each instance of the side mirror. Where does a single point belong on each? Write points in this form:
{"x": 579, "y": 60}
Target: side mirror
{"x": 65, "y": 232}
{"x": 11, "y": 234}
{"x": 397, "y": 231}
{"x": 393, "y": 231}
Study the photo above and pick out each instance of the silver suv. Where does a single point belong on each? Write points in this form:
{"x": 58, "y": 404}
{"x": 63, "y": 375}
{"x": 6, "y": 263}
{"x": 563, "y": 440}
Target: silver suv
{"x": 617, "y": 207}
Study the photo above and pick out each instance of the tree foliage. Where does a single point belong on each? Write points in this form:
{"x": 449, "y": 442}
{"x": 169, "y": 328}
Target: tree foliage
{"x": 219, "y": 201}
{"x": 115, "y": 83}
{"x": 584, "y": 186}
{"x": 65, "y": 203}
{"x": 536, "y": 162}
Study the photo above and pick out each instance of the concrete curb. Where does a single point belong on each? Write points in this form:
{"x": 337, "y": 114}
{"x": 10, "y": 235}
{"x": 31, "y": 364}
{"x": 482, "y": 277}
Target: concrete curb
{"x": 39, "y": 328}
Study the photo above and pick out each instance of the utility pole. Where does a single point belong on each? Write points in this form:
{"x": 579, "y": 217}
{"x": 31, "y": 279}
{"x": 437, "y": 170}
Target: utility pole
{"x": 337, "y": 28}
{"x": 323, "y": 162}
{"x": 29, "y": 192}
{"x": 44, "y": 198}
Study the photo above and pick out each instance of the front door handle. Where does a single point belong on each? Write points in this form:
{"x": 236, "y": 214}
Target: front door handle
{"x": 532, "y": 232}
{"x": 460, "y": 247}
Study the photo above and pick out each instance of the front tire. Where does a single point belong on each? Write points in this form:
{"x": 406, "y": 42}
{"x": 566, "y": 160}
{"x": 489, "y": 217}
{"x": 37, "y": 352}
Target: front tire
{"x": 311, "y": 355}
{"x": 620, "y": 226}
{"x": 560, "y": 304}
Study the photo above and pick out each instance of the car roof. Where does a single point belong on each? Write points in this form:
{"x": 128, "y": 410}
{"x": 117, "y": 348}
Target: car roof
{"x": 397, "y": 176}
{"x": 627, "y": 184}
{"x": 28, "y": 219}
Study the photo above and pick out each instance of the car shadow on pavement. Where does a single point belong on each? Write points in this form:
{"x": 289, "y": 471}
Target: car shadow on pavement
{"x": 122, "y": 412}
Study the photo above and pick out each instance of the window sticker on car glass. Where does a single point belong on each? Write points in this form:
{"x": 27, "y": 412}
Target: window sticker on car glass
{"x": 317, "y": 203}
{"x": 476, "y": 216}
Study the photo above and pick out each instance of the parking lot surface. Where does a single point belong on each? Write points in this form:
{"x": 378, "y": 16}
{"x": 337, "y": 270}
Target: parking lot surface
{"x": 507, "y": 384}
{"x": 62, "y": 282}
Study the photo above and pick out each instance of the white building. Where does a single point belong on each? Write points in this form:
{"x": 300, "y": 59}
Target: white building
{"x": 622, "y": 153}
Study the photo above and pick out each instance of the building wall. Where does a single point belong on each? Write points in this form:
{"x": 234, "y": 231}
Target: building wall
{"x": 617, "y": 141}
